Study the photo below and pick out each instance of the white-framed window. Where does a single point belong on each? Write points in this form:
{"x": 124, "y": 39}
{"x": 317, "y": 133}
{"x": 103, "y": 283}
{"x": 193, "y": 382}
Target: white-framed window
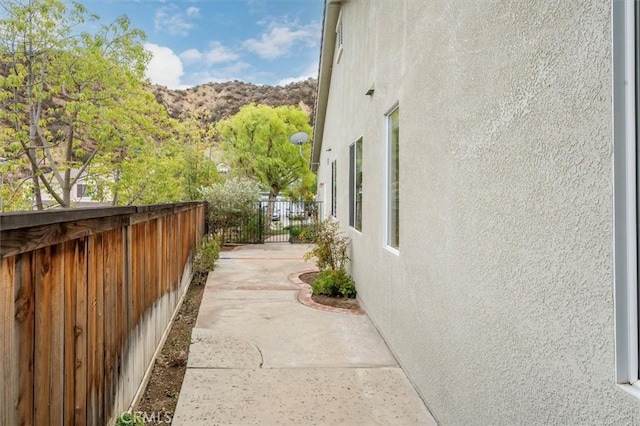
{"x": 81, "y": 190}
{"x": 355, "y": 185}
{"x": 393, "y": 178}
{"x": 334, "y": 188}
{"x": 339, "y": 38}
{"x": 626, "y": 99}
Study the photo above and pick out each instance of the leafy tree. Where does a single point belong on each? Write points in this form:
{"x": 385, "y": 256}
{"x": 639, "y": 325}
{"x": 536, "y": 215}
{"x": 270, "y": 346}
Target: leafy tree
{"x": 256, "y": 143}
{"x": 201, "y": 170}
{"x": 303, "y": 189}
{"x": 66, "y": 98}
{"x": 231, "y": 204}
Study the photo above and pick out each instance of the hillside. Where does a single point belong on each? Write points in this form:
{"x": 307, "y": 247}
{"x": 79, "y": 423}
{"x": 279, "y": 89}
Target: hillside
{"x": 216, "y": 101}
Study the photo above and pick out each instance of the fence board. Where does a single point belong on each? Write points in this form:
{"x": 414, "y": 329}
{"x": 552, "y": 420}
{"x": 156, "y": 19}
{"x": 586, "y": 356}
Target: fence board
{"x": 95, "y": 251}
{"x": 80, "y": 331}
{"x": 43, "y": 337}
{"x": 7, "y": 347}
{"x": 25, "y": 332}
{"x": 83, "y": 305}
{"x": 99, "y": 372}
{"x": 69, "y": 334}
{"x": 109, "y": 317}
{"x": 56, "y": 328}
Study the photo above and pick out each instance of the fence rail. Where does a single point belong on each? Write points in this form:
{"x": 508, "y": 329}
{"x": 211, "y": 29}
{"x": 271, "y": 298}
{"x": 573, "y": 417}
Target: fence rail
{"x": 85, "y": 298}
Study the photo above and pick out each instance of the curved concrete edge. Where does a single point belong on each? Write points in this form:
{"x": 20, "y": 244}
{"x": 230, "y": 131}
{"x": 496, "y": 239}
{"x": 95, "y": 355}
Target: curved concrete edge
{"x": 210, "y": 349}
{"x": 304, "y": 295}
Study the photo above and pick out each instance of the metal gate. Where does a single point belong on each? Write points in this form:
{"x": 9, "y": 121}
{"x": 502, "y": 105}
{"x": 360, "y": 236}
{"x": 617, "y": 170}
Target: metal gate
{"x": 274, "y": 222}
{"x": 289, "y": 221}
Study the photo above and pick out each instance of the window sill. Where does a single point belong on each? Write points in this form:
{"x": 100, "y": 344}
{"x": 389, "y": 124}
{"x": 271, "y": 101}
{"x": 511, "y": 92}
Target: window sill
{"x": 392, "y": 250}
{"x": 631, "y": 389}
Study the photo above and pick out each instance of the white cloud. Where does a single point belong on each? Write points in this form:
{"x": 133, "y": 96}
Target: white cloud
{"x": 165, "y": 67}
{"x": 310, "y": 72}
{"x": 191, "y": 55}
{"x": 192, "y": 11}
{"x": 175, "y": 21}
{"x": 235, "y": 68}
{"x": 281, "y": 38}
{"x": 219, "y": 75}
{"x": 215, "y": 54}
{"x": 203, "y": 77}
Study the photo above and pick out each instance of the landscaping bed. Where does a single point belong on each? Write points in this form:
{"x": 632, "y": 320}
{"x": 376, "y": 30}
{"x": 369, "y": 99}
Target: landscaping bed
{"x": 161, "y": 394}
{"x": 336, "y": 302}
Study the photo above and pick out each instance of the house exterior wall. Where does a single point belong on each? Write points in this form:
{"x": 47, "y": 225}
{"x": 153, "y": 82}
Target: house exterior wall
{"x": 499, "y": 305}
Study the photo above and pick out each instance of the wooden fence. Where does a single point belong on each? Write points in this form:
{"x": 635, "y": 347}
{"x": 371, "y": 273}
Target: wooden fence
{"x": 85, "y": 298}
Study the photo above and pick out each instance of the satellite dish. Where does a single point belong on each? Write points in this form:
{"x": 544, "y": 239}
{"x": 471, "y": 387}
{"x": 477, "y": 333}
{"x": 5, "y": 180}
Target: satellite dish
{"x": 299, "y": 138}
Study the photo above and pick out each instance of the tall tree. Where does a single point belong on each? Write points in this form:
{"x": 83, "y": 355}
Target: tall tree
{"x": 256, "y": 143}
{"x": 63, "y": 95}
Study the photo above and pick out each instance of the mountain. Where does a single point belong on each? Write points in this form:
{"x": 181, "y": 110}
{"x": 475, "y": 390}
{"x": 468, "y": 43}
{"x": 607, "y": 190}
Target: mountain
{"x": 217, "y": 101}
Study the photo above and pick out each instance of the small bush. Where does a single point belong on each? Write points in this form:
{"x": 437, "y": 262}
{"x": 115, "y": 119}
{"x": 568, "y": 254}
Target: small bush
{"x": 303, "y": 233}
{"x": 231, "y": 204}
{"x": 331, "y": 246}
{"x": 334, "y": 283}
{"x": 206, "y": 256}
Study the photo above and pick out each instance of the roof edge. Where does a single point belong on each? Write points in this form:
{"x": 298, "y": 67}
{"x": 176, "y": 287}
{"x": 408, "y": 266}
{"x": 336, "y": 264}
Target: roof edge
{"x": 327, "y": 48}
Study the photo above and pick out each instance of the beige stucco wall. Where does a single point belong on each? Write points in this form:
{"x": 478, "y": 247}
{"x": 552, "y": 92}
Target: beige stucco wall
{"x": 500, "y": 303}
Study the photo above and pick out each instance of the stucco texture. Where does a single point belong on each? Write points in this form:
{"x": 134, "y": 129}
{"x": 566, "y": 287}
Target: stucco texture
{"x": 499, "y": 304}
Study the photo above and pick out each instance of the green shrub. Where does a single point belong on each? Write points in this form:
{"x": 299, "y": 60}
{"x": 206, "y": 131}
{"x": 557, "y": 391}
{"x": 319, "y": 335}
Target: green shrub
{"x": 303, "y": 233}
{"x": 334, "y": 283}
{"x": 330, "y": 249}
{"x": 206, "y": 256}
{"x": 230, "y": 204}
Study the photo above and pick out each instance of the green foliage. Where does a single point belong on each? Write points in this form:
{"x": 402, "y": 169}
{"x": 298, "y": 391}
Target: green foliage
{"x": 303, "y": 189}
{"x": 334, "y": 283}
{"x": 302, "y": 233}
{"x": 331, "y": 246}
{"x": 206, "y": 256}
{"x": 256, "y": 143}
{"x": 65, "y": 93}
{"x": 232, "y": 203}
{"x": 130, "y": 419}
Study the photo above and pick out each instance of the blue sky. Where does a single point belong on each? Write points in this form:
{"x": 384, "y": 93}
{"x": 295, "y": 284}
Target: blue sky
{"x": 199, "y": 41}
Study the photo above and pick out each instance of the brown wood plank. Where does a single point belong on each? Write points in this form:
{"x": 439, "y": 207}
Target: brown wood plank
{"x": 80, "y": 331}
{"x": 70, "y": 266}
{"x": 137, "y": 274}
{"x": 22, "y": 240}
{"x": 25, "y": 331}
{"x": 155, "y": 260}
{"x": 109, "y": 318}
{"x": 95, "y": 252}
{"x": 100, "y": 344}
{"x": 120, "y": 318}
{"x": 175, "y": 259}
{"x": 55, "y": 278}
{"x": 8, "y": 351}
{"x": 168, "y": 258}
{"x": 42, "y": 364}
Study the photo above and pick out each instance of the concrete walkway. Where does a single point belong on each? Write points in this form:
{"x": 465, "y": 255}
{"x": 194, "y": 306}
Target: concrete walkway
{"x": 259, "y": 356}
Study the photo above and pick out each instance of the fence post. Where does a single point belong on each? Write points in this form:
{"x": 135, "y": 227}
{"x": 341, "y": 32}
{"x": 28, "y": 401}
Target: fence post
{"x": 260, "y": 230}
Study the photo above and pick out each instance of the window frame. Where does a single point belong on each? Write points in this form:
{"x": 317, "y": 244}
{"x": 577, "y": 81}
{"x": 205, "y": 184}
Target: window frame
{"x": 626, "y": 82}
{"x": 355, "y": 185}
{"x": 389, "y": 244}
{"x": 334, "y": 188}
{"x": 339, "y": 38}
{"x": 81, "y": 189}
